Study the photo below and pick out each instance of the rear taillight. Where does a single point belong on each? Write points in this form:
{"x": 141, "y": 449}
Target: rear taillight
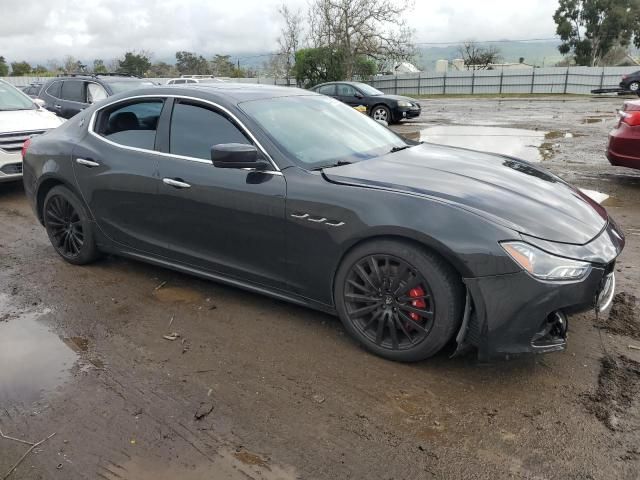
{"x": 25, "y": 147}
{"x": 631, "y": 118}
{"x": 624, "y": 76}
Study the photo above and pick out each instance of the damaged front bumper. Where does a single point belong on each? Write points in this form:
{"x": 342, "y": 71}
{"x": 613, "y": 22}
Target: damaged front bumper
{"x": 516, "y": 314}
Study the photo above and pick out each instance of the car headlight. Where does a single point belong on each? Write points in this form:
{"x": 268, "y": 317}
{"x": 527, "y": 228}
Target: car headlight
{"x": 404, "y": 103}
{"x": 543, "y": 265}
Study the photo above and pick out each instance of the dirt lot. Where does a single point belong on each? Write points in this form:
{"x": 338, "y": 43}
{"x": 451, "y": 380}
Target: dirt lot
{"x": 256, "y": 388}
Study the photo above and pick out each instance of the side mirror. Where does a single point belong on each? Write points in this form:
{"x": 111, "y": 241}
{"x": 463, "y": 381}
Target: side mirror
{"x": 39, "y": 102}
{"x": 236, "y": 155}
{"x": 357, "y": 95}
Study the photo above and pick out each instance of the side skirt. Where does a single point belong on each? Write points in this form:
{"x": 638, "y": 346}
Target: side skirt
{"x": 277, "y": 294}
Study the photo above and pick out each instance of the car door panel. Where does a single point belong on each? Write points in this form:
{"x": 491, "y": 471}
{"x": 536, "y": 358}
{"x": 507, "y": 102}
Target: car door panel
{"x": 229, "y": 221}
{"x": 120, "y": 183}
{"x": 225, "y": 220}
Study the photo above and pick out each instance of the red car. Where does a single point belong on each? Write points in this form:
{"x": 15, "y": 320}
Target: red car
{"x": 624, "y": 140}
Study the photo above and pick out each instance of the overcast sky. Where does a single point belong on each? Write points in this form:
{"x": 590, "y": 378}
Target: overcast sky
{"x": 38, "y": 30}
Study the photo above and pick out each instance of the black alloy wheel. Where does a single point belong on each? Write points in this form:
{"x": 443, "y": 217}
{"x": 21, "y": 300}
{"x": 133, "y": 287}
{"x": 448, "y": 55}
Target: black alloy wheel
{"x": 399, "y": 300}
{"x": 68, "y": 226}
{"x": 389, "y": 301}
{"x": 63, "y": 222}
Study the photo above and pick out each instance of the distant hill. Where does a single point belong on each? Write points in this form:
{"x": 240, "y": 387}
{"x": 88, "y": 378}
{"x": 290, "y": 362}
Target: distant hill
{"x": 534, "y": 53}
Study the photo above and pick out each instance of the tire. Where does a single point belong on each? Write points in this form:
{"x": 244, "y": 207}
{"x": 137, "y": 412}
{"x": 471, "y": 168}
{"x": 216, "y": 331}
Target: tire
{"x": 381, "y": 112}
{"x": 635, "y": 87}
{"x": 412, "y": 275}
{"x": 68, "y": 226}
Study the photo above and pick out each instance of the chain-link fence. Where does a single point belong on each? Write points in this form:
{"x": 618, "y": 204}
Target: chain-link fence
{"x": 553, "y": 80}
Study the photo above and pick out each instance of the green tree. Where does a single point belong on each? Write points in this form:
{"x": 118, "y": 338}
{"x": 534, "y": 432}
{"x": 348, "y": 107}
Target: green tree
{"x": 40, "y": 70}
{"x": 4, "y": 67}
{"x": 589, "y": 29}
{"x": 318, "y": 65}
{"x": 222, "y": 66}
{"x": 19, "y": 69}
{"x": 163, "y": 69}
{"x": 134, "y": 64}
{"x": 364, "y": 67}
{"x": 192, "y": 64}
{"x": 99, "y": 66}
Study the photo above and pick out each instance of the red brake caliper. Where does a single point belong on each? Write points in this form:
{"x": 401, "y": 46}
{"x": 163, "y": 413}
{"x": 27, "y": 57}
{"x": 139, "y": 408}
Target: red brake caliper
{"x": 418, "y": 303}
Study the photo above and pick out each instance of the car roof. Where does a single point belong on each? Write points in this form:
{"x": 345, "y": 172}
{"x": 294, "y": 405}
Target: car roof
{"x": 240, "y": 92}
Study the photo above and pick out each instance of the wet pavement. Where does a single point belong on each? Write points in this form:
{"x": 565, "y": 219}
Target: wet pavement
{"x": 255, "y": 388}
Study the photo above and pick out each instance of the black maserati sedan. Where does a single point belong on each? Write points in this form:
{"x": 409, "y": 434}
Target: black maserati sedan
{"x": 380, "y": 106}
{"x": 292, "y": 194}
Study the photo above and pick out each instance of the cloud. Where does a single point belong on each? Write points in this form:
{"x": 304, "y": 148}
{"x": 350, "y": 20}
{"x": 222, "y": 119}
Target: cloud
{"x": 89, "y": 29}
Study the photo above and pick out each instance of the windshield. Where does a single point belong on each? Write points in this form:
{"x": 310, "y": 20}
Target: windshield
{"x": 368, "y": 90}
{"x": 319, "y": 131}
{"x": 13, "y": 99}
{"x": 126, "y": 85}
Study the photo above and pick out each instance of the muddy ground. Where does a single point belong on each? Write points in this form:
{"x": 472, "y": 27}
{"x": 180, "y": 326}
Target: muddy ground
{"x": 257, "y": 388}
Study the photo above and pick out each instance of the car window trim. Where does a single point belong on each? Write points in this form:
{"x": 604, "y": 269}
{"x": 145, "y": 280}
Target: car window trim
{"x": 221, "y": 113}
{"x": 52, "y": 84}
{"x": 165, "y": 97}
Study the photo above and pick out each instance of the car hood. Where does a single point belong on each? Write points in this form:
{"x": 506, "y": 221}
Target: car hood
{"x": 28, "y": 120}
{"x": 509, "y": 191}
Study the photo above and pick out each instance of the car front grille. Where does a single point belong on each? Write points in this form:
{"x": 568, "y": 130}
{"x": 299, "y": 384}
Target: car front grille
{"x": 12, "y": 142}
{"x": 11, "y": 169}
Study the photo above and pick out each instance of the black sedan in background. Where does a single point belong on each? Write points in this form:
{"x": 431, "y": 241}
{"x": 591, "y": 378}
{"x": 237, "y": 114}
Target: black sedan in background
{"x": 380, "y": 106}
{"x": 291, "y": 194}
{"x": 631, "y": 82}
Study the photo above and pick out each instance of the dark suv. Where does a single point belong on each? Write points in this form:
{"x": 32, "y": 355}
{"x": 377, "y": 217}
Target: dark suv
{"x": 631, "y": 82}
{"x": 67, "y": 95}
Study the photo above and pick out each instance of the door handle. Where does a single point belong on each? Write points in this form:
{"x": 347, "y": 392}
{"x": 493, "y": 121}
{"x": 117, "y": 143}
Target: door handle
{"x": 175, "y": 183}
{"x": 87, "y": 163}
{"x": 57, "y": 107}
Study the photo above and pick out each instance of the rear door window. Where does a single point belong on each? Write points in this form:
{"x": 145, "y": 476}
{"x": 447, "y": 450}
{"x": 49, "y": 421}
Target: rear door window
{"x": 195, "y": 129}
{"x": 54, "y": 89}
{"x": 132, "y": 124}
{"x": 73, "y": 91}
{"x": 327, "y": 90}
{"x": 346, "y": 91}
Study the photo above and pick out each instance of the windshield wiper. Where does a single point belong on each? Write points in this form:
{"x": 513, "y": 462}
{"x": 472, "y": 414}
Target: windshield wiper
{"x": 397, "y": 149}
{"x": 337, "y": 164}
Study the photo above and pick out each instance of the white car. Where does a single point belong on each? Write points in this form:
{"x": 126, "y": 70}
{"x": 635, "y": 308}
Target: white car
{"x": 194, "y": 79}
{"x": 21, "y": 117}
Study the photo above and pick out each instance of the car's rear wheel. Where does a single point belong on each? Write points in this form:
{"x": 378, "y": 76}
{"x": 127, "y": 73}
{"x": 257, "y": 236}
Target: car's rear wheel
{"x": 634, "y": 87}
{"x": 381, "y": 113}
{"x": 399, "y": 301}
{"x": 68, "y": 226}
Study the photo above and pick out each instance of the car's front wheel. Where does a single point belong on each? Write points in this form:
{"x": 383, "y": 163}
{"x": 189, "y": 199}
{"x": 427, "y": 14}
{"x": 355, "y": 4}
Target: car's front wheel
{"x": 69, "y": 227}
{"x": 382, "y": 114}
{"x": 399, "y": 301}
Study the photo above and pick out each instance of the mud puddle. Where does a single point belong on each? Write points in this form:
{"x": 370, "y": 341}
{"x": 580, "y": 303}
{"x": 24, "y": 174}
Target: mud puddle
{"x": 624, "y": 316}
{"x": 230, "y": 464}
{"x": 528, "y": 145}
{"x": 175, "y": 294}
{"x": 617, "y": 398}
{"x": 33, "y": 360}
